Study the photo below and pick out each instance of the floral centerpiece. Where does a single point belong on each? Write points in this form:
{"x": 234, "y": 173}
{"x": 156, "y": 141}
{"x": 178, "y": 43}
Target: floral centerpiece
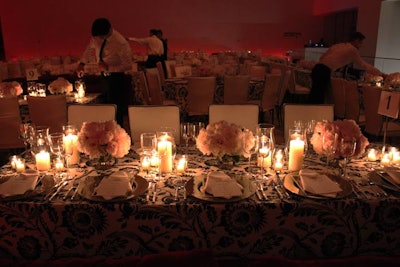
{"x": 103, "y": 140}
{"x": 371, "y": 78}
{"x": 60, "y": 86}
{"x": 10, "y": 89}
{"x": 225, "y": 140}
{"x": 392, "y": 80}
{"x": 345, "y": 129}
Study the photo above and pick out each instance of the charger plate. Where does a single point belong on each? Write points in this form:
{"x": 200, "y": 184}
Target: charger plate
{"x": 291, "y": 183}
{"x": 89, "y": 183}
{"x": 193, "y": 189}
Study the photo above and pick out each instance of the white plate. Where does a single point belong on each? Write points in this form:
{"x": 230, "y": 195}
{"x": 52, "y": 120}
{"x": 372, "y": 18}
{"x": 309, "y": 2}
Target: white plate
{"x": 193, "y": 188}
{"x": 292, "y": 186}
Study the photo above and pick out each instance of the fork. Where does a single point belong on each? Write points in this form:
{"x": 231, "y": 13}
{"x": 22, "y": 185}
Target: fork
{"x": 261, "y": 189}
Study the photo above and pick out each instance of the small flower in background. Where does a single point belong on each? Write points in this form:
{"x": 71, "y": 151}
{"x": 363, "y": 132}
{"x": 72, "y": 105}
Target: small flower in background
{"x": 224, "y": 139}
{"x": 97, "y": 139}
{"x": 60, "y": 86}
{"x": 8, "y": 89}
{"x": 392, "y": 80}
{"x": 345, "y": 129}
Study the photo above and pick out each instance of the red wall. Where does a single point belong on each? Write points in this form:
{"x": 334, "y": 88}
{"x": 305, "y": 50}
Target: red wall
{"x": 52, "y": 27}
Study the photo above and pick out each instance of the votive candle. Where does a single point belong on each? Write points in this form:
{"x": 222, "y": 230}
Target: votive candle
{"x": 42, "y": 161}
{"x": 181, "y": 165}
{"x": 372, "y": 155}
{"x": 385, "y": 161}
{"x": 20, "y": 165}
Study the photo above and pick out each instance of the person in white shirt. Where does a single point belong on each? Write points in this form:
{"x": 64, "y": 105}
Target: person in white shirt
{"x": 154, "y": 46}
{"x": 336, "y": 57}
{"x": 113, "y": 54}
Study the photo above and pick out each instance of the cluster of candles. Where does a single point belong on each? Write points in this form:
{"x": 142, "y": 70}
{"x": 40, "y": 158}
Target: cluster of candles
{"x": 17, "y": 164}
{"x": 275, "y": 161}
{"x": 392, "y": 157}
{"x": 80, "y": 89}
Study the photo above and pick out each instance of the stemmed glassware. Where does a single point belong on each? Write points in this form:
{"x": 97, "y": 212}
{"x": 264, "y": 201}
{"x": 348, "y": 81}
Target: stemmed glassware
{"x": 329, "y": 145}
{"x": 188, "y": 132}
{"x": 148, "y": 150}
{"x": 26, "y": 134}
{"x": 264, "y": 152}
{"x": 251, "y": 148}
{"x": 347, "y": 150}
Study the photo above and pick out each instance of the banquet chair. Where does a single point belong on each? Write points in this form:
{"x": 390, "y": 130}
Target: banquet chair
{"x": 156, "y": 95}
{"x": 244, "y": 115}
{"x": 152, "y": 118}
{"x": 352, "y": 103}
{"x": 182, "y": 71}
{"x": 50, "y": 111}
{"x": 373, "y": 121}
{"x": 78, "y": 114}
{"x": 270, "y": 97}
{"x": 236, "y": 89}
{"x": 257, "y": 72}
{"x": 306, "y": 112}
{"x": 297, "y": 92}
{"x": 10, "y": 121}
{"x": 339, "y": 95}
{"x": 141, "y": 88}
{"x": 170, "y": 66}
{"x": 200, "y": 95}
{"x": 283, "y": 88}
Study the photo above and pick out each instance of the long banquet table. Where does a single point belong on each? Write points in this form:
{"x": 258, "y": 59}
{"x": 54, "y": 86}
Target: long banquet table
{"x": 296, "y": 227}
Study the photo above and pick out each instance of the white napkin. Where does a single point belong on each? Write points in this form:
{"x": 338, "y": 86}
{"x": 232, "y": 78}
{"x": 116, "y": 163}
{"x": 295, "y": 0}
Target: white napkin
{"x": 219, "y": 184}
{"x": 318, "y": 183}
{"x": 20, "y": 184}
{"x": 394, "y": 173}
{"x": 116, "y": 185}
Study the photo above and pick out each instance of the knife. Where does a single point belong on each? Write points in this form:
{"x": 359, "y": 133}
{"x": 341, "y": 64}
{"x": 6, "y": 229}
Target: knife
{"x": 389, "y": 180}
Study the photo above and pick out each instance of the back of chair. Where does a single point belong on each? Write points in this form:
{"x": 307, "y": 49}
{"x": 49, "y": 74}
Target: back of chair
{"x": 294, "y": 112}
{"x": 141, "y": 88}
{"x": 182, "y": 71}
{"x": 284, "y": 85}
{"x": 257, "y": 72}
{"x": 339, "y": 96}
{"x": 170, "y": 66}
{"x": 10, "y": 122}
{"x": 352, "y": 101}
{"x": 243, "y": 115}
{"x": 200, "y": 94}
{"x": 236, "y": 89}
{"x": 161, "y": 73}
{"x": 154, "y": 86}
{"x": 271, "y": 90}
{"x": 78, "y": 114}
{"x": 373, "y": 120}
{"x": 151, "y": 119}
{"x": 49, "y": 111}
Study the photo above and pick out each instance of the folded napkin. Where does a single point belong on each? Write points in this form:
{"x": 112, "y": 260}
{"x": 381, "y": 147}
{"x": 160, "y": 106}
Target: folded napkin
{"x": 394, "y": 173}
{"x": 318, "y": 183}
{"x": 219, "y": 184}
{"x": 116, "y": 185}
{"x": 20, "y": 184}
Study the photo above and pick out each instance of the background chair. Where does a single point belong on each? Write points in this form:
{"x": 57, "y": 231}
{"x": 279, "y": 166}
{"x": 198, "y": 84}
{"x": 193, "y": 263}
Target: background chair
{"x": 200, "y": 95}
{"x": 339, "y": 95}
{"x": 353, "y": 103}
{"x": 283, "y": 87}
{"x": 152, "y": 118}
{"x": 10, "y": 122}
{"x": 243, "y": 115}
{"x": 297, "y": 92}
{"x": 270, "y": 97}
{"x": 236, "y": 89}
{"x": 182, "y": 71}
{"x": 49, "y": 111}
{"x": 77, "y": 114}
{"x": 293, "y": 112}
{"x": 257, "y": 72}
{"x": 156, "y": 95}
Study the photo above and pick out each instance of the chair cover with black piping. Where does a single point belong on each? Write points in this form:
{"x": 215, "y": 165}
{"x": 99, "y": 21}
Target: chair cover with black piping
{"x": 49, "y": 111}
{"x": 243, "y": 115}
{"x": 236, "y": 89}
{"x": 151, "y": 118}
{"x": 339, "y": 95}
{"x": 10, "y": 122}
{"x": 200, "y": 95}
{"x": 270, "y": 97}
{"x": 78, "y": 114}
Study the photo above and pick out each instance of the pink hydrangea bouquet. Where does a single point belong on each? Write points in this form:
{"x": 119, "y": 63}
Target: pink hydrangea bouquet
{"x": 10, "y": 89}
{"x": 97, "y": 139}
{"x": 225, "y": 139}
{"x": 392, "y": 80}
{"x": 60, "y": 86}
{"x": 345, "y": 129}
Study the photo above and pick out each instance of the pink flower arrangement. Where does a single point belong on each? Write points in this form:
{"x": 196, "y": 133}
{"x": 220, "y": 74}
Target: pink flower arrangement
{"x": 10, "y": 89}
{"x": 392, "y": 80}
{"x": 344, "y": 129}
{"x": 97, "y": 139}
{"x": 224, "y": 139}
{"x": 60, "y": 86}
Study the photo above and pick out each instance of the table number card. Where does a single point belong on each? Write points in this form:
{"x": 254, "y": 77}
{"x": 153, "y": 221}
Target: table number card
{"x": 389, "y": 104}
{"x": 32, "y": 74}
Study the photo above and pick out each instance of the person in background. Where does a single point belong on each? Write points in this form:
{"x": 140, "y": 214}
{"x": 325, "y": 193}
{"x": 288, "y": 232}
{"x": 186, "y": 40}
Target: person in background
{"x": 165, "y": 47}
{"x": 113, "y": 55}
{"x": 336, "y": 57}
{"x": 154, "y": 48}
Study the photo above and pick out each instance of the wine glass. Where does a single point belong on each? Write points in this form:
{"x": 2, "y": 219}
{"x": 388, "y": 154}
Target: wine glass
{"x": 347, "y": 149}
{"x": 329, "y": 145}
{"x": 251, "y": 147}
{"x": 25, "y": 133}
{"x": 56, "y": 141}
{"x": 266, "y": 129}
{"x": 188, "y": 132}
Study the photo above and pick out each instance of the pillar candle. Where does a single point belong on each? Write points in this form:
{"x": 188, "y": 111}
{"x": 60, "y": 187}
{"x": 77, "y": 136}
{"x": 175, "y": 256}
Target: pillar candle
{"x": 264, "y": 161}
{"x": 164, "y": 149}
{"x": 42, "y": 161}
{"x": 296, "y": 154}
{"x": 71, "y": 148}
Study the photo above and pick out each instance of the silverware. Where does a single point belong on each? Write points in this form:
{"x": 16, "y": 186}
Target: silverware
{"x": 389, "y": 180}
{"x": 261, "y": 188}
{"x": 357, "y": 190}
{"x": 155, "y": 192}
{"x": 149, "y": 191}
{"x": 58, "y": 190}
{"x": 76, "y": 191}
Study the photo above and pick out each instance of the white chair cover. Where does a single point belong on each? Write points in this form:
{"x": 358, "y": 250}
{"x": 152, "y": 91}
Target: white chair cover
{"x": 243, "y": 115}
{"x": 10, "y": 122}
{"x": 78, "y": 114}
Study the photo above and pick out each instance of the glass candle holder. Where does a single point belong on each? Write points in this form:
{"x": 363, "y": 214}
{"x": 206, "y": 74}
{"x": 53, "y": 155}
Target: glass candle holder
{"x": 295, "y": 149}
